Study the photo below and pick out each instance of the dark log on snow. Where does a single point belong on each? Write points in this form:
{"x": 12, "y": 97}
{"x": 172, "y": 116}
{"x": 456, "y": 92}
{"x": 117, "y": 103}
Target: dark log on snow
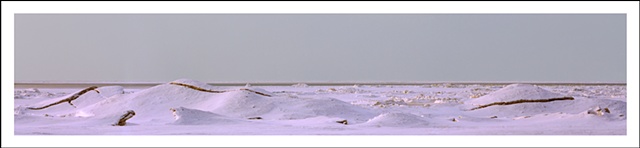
{"x": 343, "y": 122}
{"x": 522, "y": 101}
{"x": 197, "y": 88}
{"x": 253, "y": 91}
{"x": 68, "y": 100}
{"x": 215, "y": 91}
{"x": 123, "y": 119}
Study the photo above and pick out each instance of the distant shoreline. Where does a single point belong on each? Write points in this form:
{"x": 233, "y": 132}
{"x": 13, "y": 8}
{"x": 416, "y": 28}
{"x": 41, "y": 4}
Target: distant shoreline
{"x": 149, "y": 84}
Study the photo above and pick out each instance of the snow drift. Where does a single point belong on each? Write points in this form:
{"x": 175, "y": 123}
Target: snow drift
{"x": 517, "y": 92}
{"x": 64, "y": 109}
{"x": 153, "y": 105}
{"x": 186, "y": 116}
{"x": 397, "y": 120}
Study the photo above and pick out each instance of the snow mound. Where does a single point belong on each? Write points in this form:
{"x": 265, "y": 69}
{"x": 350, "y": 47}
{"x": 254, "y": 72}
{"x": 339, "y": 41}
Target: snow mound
{"x": 529, "y": 92}
{"x": 397, "y": 120}
{"x": 108, "y": 91}
{"x": 243, "y": 104}
{"x": 330, "y": 107}
{"x": 515, "y": 92}
{"x": 240, "y": 104}
{"x": 567, "y": 106}
{"x": 152, "y": 104}
{"x": 187, "y": 116}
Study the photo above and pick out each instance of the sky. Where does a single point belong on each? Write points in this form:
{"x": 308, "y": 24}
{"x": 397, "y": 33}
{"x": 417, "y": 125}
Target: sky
{"x": 320, "y": 47}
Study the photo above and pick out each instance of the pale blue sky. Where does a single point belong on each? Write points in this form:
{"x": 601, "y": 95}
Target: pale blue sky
{"x": 320, "y": 47}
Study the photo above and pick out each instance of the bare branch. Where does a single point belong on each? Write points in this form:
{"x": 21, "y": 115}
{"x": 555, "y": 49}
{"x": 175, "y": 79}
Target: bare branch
{"x": 522, "y": 101}
{"x": 68, "y": 100}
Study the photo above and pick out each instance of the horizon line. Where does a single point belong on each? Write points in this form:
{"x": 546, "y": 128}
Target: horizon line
{"x": 321, "y": 83}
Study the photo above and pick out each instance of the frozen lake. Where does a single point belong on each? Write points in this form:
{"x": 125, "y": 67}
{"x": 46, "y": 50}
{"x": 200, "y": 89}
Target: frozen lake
{"x": 189, "y": 107}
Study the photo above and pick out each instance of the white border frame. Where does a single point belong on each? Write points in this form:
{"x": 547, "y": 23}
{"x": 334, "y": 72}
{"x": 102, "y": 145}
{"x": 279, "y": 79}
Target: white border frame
{"x": 630, "y": 8}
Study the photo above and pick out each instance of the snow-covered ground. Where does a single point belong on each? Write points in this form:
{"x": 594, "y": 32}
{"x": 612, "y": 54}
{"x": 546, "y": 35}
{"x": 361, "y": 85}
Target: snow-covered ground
{"x": 189, "y": 107}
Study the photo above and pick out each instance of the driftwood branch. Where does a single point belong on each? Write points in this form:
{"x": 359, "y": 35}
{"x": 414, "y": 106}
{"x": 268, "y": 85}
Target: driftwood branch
{"x": 215, "y": 91}
{"x": 522, "y": 101}
{"x": 342, "y": 122}
{"x": 253, "y": 91}
{"x": 68, "y": 100}
{"x": 123, "y": 119}
{"x": 197, "y": 88}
